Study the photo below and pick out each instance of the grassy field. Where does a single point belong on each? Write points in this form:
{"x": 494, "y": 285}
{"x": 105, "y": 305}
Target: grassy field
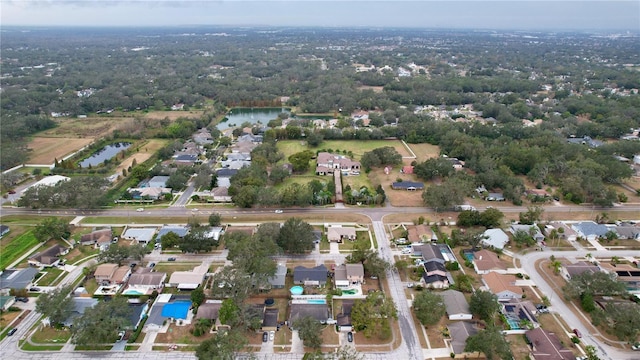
{"x": 44, "y": 150}
{"x": 358, "y": 148}
{"x": 50, "y": 276}
{"x": 146, "y": 151}
{"x": 47, "y": 334}
{"x": 425, "y": 151}
{"x": 16, "y": 248}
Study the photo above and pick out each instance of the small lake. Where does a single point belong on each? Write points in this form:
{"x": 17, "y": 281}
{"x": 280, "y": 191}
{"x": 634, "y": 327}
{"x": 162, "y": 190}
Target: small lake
{"x": 103, "y": 154}
{"x": 237, "y": 116}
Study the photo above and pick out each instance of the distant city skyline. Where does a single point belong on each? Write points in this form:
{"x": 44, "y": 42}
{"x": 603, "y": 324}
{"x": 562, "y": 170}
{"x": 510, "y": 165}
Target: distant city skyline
{"x": 470, "y": 14}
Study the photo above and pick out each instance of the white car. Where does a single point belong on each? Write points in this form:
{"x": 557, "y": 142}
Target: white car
{"x": 278, "y": 211}
{"x": 140, "y": 209}
{"x": 272, "y": 334}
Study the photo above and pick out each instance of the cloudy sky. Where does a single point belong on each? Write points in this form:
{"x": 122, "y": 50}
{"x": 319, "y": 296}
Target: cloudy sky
{"x": 469, "y": 14}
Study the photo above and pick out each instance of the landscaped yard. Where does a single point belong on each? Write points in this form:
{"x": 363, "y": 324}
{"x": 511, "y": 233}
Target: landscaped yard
{"x": 12, "y": 250}
{"x": 48, "y": 334}
{"x": 362, "y": 238}
{"x": 79, "y": 253}
{"x": 50, "y": 277}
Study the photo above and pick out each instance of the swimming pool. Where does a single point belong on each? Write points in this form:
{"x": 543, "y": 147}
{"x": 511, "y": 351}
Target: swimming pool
{"x": 132, "y": 292}
{"x": 350, "y": 292}
{"x": 316, "y": 301}
{"x": 296, "y": 290}
{"x": 176, "y": 310}
{"x": 514, "y": 324}
{"x": 469, "y": 256}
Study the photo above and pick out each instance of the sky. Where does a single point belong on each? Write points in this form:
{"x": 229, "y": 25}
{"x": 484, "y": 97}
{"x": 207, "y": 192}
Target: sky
{"x": 549, "y": 15}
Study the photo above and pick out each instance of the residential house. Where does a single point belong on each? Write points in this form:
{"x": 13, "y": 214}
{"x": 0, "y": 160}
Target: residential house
{"x": 279, "y": 278}
{"x": 111, "y": 274}
{"x": 141, "y": 235}
{"x": 590, "y": 230}
{"x": 185, "y": 159}
{"x": 224, "y": 176}
{"x": 579, "y": 268}
{"x": 459, "y": 331}
{"x": 420, "y": 233}
{"x": 4, "y": 230}
{"x": 343, "y": 319}
{"x": 6, "y": 302}
{"x": 221, "y": 195}
{"x": 430, "y": 252}
{"x": 456, "y": 305}
{"x": 80, "y": 305}
{"x": 456, "y": 163}
{"x": 626, "y": 232}
{"x": 319, "y": 312}
{"x": 188, "y": 280}
{"x": 270, "y": 320}
{"x": 563, "y": 231}
{"x": 137, "y": 312}
{"x": 157, "y": 182}
{"x": 149, "y": 193}
{"x": 546, "y": 345}
{"x": 486, "y": 261}
{"x": 627, "y": 274}
{"x": 145, "y": 282}
{"x": 347, "y": 275}
{"x": 210, "y": 310}
{"x": 435, "y": 275}
{"x": 202, "y": 137}
{"x": 585, "y": 140}
{"x": 181, "y": 231}
{"x": 492, "y": 196}
{"x": 339, "y": 233}
{"x": 97, "y": 237}
{"x": 521, "y": 312}
{"x": 532, "y": 230}
{"x": 214, "y": 232}
{"x": 407, "y": 185}
{"x": 316, "y": 276}
{"x": 327, "y": 163}
{"x": 495, "y": 238}
{"x": 502, "y": 285}
{"x": 49, "y": 257}
{"x": 17, "y": 279}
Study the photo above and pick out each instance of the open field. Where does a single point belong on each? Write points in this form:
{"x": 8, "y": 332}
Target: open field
{"x": 44, "y": 150}
{"x": 424, "y": 151}
{"x": 146, "y": 151}
{"x": 358, "y": 147}
{"x": 173, "y": 115}
{"x": 375, "y": 89}
{"x": 396, "y": 197}
{"x": 90, "y": 127}
{"x": 13, "y": 250}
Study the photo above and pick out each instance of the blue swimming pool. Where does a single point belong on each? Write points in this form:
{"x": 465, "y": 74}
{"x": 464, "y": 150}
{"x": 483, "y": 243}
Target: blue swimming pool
{"x": 296, "y": 290}
{"x": 513, "y": 324}
{"x": 316, "y": 301}
{"x": 469, "y": 256}
{"x": 176, "y": 310}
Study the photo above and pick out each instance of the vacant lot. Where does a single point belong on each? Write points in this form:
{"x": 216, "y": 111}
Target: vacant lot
{"x": 145, "y": 151}
{"x": 173, "y": 115}
{"x": 396, "y": 197}
{"x": 44, "y": 150}
{"x": 425, "y": 151}
{"x": 11, "y": 251}
{"x": 357, "y": 147}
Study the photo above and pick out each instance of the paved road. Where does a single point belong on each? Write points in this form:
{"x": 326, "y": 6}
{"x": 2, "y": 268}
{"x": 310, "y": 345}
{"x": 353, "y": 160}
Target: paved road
{"x": 528, "y": 262}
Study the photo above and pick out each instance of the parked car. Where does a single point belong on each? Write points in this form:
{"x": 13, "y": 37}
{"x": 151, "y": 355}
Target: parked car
{"x": 152, "y": 264}
{"x": 12, "y": 192}
{"x": 12, "y": 331}
{"x": 635, "y": 347}
{"x": 410, "y": 285}
{"x": 22, "y": 299}
{"x": 140, "y": 209}
{"x": 350, "y": 336}
{"x": 278, "y": 211}
{"x": 171, "y": 259}
{"x": 577, "y": 332}
{"x": 265, "y": 337}
{"x": 272, "y": 335}
{"x": 34, "y": 289}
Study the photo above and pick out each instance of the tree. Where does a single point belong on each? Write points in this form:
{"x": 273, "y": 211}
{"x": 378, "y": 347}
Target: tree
{"x": 371, "y": 315}
{"x": 597, "y": 284}
{"x": 491, "y": 218}
{"x": 117, "y": 254}
{"x": 296, "y": 236}
{"x": 229, "y": 312}
{"x": 222, "y": 346}
{"x": 197, "y": 296}
{"x": 532, "y": 215}
{"x": 484, "y": 304}
{"x": 51, "y": 228}
{"x": 215, "y": 219}
{"x": 309, "y": 330}
{"x": 56, "y": 305}
{"x": 591, "y": 352}
{"x": 444, "y": 196}
{"x": 101, "y": 323}
{"x": 373, "y": 264}
{"x": 197, "y": 241}
{"x": 300, "y": 161}
{"x": 169, "y": 240}
{"x": 624, "y": 320}
{"x": 491, "y": 343}
{"x": 522, "y": 237}
{"x": 429, "y": 308}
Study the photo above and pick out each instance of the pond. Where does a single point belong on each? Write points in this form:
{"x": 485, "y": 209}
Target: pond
{"x": 106, "y": 153}
{"x": 237, "y": 116}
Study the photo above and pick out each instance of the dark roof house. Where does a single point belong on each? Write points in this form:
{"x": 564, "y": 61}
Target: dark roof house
{"x": 407, "y": 185}
{"x": 546, "y": 346}
{"x": 310, "y": 276}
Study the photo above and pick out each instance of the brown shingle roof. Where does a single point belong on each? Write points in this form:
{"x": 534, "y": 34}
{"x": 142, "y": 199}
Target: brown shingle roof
{"x": 501, "y": 282}
{"x": 547, "y": 346}
{"x": 488, "y": 260}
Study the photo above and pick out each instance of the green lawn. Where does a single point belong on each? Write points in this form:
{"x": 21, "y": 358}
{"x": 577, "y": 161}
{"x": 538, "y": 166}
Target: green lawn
{"x": 49, "y": 334}
{"x": 16, "y": 248}
{"x": 357, "y": 147}
{"x": 49, "y": 278}
{"x": 362, "y": 237}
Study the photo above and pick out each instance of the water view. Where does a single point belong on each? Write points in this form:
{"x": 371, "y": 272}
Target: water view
{"x": 106, "y": 153}
{"x": 238, "y": 116}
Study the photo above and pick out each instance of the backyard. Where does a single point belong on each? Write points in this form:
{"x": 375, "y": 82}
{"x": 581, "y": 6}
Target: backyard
{"x": 13, "y": 249}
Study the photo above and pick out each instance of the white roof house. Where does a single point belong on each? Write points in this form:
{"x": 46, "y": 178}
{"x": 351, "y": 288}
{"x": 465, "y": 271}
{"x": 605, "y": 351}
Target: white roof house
{"x": 141, "y": 235}
{"x": 48, "y": 181}
{"x": 188, "y": 279}
{"x": 496, "y": 238}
